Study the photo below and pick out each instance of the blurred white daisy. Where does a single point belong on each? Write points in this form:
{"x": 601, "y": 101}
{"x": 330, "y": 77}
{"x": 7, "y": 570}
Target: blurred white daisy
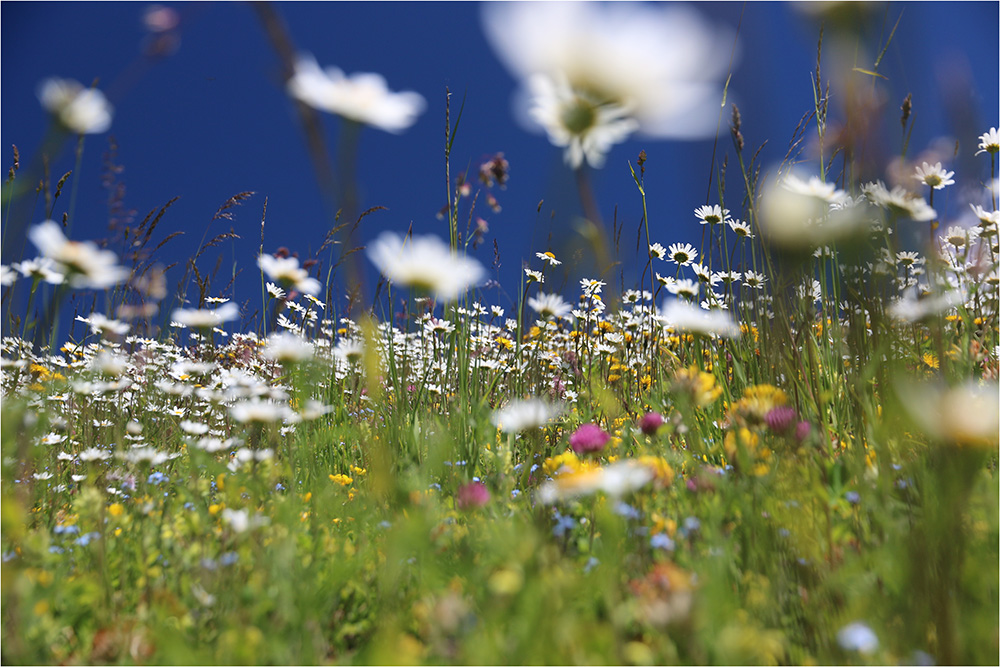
{"x": 913, "y": 306}
{"x": 521, "y": 415}
{"x": 78, "y": 109}
{"x": 587, "y": 128}
{"x": 425, "y": 263}
{"x": 287, "y": 272}
{"x": 965, "y": 414}
{"x": 85, "y": 264}
{"x": 362, "y": 97}
{"x": 684, "y": 287}
{"x": 101, "y": 324}
{"x": 615, "y": 479}
{"x": 797, "y": 213}
{"x": 205, "y": 318}
{"x": 241, "y": 520}
{"x": 258, "y": 411}
{"x": 660, "y": 66}
{"x": 814, "y": 187}
{"x": 549, "y": 305}
{"x": 682, "y": 315}
{"x": 40, "y": 268}
{"x": 899, "y": 201}
{"x": 287, "y": 348}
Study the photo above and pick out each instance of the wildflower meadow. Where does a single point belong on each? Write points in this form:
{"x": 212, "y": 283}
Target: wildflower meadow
{"x": 766, "y": 433}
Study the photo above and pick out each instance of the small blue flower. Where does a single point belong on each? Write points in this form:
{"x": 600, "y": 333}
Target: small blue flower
{"x": 690, "y": 525}
{"x": 66, "y": 530}
{"x": 209, "y": 564}
{"x": 662, "y": 541}
{"x": 625, "y": 510}
{"x": 189, "y": 506}
{"x": 563, "y": 524}
{"x": 157, "y": 478}
{"x": 853, "y": 497}
{"x": 857, "y": 637}
{"x": 515, "y": 493}
{"x": 384, "y": 525}
{"x": 87, "y": 538}
{"x": 279, "y": 487}
{"x": 8, "y": 556}
{"x": 56, "y": 549}
{"x": 229, "y": 558}
{"x": 591, "y": 564}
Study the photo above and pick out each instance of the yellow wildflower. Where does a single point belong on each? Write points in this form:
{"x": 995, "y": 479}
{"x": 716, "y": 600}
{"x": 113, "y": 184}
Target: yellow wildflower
{"x": 343, "y": 480}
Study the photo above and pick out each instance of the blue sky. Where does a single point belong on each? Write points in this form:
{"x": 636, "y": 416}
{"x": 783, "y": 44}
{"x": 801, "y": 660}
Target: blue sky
{"x": 212, "y": 119}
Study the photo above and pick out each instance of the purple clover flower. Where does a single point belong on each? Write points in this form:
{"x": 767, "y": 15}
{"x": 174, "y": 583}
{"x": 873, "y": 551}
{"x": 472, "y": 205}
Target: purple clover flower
{"x": 781, "y": 419}
{"x": 588, "y": 439}
{"x": 472, "y": 495}
{"x": 650, "y": 423}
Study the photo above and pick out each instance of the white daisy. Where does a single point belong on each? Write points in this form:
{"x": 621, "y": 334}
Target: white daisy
{"x": 548, "y": 257}
{"x": 682, "y": 254}
{"x": 287, "y": 348}
{"x": 550, "y": 306}
{"x": 205, "y": 318}
{"x": 683, "y": 315}
{"x": 362, "y": 97}
{"x": 814, "y": 187}
{"x": 899, "y": 201}
{"x": 522, "y": 415}
{"x": 934, "y": 176}
{"x": 40, "y": 268}
{"x": 84, "y": 263}
{"x": 741, "y": 228}
{"x": 287, "y": 272}
{"x": 712, "y": 215}
{"x": 587, "y": 128}
{"x": 425, "y": 263}
{"x": 78, "y": 109}
{"x": 989, "y": 142}
{"x": 661, "y": 62}
{"x": 685, "y": 288}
